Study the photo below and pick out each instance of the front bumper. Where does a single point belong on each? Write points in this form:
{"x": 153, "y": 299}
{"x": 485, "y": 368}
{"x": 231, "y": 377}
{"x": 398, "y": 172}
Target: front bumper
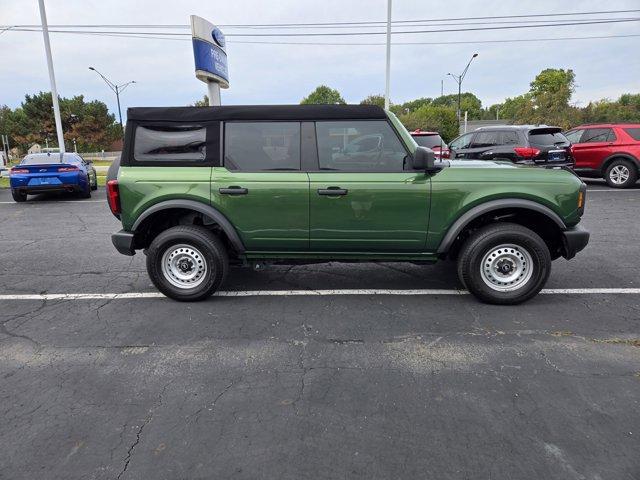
{"x": 123, "y": 241}
{"x": 573, "y": 241}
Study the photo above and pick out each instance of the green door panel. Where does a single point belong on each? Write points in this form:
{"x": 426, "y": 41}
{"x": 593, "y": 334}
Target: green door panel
{"x": 142, "y": 187}
{"x": 274, "y": 213}
{"x": 381, "y": 211}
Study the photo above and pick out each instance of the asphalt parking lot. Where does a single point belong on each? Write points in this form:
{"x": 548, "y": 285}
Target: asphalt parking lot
{"x": 374, "y": 386}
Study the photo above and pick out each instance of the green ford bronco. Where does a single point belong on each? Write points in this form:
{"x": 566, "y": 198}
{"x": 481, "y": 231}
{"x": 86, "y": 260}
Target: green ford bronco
{"x": 202, "y": 188}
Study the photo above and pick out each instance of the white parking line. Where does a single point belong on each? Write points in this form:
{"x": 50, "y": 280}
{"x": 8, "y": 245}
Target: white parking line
{"x": 310, "y": 293}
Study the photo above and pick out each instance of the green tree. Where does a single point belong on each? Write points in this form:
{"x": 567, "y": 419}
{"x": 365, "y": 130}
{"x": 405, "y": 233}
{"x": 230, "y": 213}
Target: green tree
{"x": 90, "y": 123}
{"x": 468, "y": 103}
{"x": 413, "y": 105}
{"x": 204, "y": 102}
{"x": 374, "y": 100}
{"x": 323, "y": 95}
{"x": 441, "y": 119}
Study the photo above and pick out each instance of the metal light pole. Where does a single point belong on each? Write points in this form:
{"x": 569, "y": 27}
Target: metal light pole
{"x": 459, "y": 79}
{"x": 388, "y": 73}
{"x": 117, "y": 89}
{"x": 52, "y": 76}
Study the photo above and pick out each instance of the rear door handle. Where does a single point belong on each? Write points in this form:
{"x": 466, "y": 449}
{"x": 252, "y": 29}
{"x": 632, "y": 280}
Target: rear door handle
{"x": 332, "y": 191}
{"x": 234, "y": 191}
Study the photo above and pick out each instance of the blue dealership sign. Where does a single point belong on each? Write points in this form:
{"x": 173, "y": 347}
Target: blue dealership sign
{"x": 209, "y": 52}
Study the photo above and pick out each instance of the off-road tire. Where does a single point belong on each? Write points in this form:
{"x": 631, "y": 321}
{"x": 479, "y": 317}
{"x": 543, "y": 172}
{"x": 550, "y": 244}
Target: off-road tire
{"x": 18, "y": 196}
{"x": 524, "y": 245}
{"x": 625, "y": 165}
{"x": 210, "y": 249}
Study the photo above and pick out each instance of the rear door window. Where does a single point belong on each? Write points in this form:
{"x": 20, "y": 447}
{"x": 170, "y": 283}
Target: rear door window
{"x": 262, "y": 146}
{"x": 509, "y": 137}
{"x": 486, "y": 139}
{"x": 633, "y": 132}
{"x": 175, "y": 143}
{"x": 596, "y": 135}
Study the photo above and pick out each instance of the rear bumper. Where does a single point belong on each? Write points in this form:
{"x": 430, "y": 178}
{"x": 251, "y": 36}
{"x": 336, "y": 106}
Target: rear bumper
{"x": 573, "y": 241}
{"x": 48, "y": 188}
{"x": 123, "y": 241}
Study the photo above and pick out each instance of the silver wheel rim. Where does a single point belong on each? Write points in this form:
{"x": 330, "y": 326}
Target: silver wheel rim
{"x": 506, "y": 267}
{"x": 619, "y": 174}
{"x": 184, "y": 266}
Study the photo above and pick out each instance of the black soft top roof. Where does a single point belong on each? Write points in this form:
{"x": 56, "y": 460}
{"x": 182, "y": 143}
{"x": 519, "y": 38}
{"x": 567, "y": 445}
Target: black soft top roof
{"x": 256, "y": 112}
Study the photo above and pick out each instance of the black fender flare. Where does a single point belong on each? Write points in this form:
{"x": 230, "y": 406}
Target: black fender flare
{"x": 458, "y": 226}
{"x": 626, "y": 156}
{"x": 207, "y": 210}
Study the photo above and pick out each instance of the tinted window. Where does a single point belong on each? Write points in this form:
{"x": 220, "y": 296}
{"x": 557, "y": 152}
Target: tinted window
{"x": 255, "y": 146}
{"x": 509, "y": 137}
{"x": 429, "y": 141}
{"x": 359, "y": 146}
{"x": 593, "y": 135}
{"x": 486, "y": 139}
{"x": 547, "y": 139}
{"x": 41, "y": 159}
{"x": 633, "y": 132}
{"x": 574, "y": 135}
{"x": 461, "y": 142}
{"x": 169, "y": 143}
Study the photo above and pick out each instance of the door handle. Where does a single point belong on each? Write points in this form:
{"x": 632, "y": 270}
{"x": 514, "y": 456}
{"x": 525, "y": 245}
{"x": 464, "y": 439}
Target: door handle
{"x": 332, "y": 191}
{"x": 234, "y": 191}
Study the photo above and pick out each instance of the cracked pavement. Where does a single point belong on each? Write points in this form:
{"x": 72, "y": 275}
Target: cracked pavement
{"x": 371, "y": 387}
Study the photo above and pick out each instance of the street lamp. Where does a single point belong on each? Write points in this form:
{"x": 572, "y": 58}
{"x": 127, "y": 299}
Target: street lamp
{"x": 117, "y": 89}
{"x": 459, "y": 79}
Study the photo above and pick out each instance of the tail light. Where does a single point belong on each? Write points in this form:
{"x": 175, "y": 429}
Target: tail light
{"x": 68, "y": 169}
{"x": 113, "y": 197}
{"x": 445, "y": 154}
{"x": 527, "y": 152}
{"x": 13, "y": 171}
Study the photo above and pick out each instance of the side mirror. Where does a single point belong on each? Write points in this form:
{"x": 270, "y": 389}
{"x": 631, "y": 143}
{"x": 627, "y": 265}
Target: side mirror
{"x": 423, "y": 159}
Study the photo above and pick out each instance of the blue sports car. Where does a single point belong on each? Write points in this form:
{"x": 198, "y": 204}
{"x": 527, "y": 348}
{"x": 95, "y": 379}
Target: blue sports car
{"x": 50, "y": 172}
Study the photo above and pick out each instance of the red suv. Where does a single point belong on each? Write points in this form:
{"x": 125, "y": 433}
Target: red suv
{"x": 431, "y": 140}
{"x": 610, "y": 150}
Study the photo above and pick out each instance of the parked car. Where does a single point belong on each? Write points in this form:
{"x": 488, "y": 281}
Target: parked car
{"x": 52, "y": 172}
{"x": 526, "y": 144}
{"x": 431, "y": 140}
{"x": 241, "y": 201}
{"x": 610, "y": 151}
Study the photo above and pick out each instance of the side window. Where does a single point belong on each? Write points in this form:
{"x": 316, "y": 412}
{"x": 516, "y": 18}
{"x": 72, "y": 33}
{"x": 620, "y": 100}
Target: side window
{"x": 633, "y": 132}
{"x": 486, "y": 139}
{"x": 594, "y": 135}
{"x": 509, "y": 137}
{"x": 173, "y": 143}
{"x": 574, "y": 135}
{"x": 359, "y": 146}
{"x": 612, "y": 136}
{"x": 461, "y": 142}
{"x": 262, "y": 146}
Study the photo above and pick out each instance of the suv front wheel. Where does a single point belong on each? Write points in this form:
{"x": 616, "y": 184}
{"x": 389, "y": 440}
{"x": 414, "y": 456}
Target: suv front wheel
{"x": 504, "y": 264}
{"x": 187, "y": 263}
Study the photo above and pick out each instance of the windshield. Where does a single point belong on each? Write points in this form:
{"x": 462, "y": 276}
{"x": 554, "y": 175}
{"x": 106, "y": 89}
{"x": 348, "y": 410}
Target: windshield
{"x": 547, "y": 139}
{"x": 407, "y": 139}
{"x": 429, "y": 141}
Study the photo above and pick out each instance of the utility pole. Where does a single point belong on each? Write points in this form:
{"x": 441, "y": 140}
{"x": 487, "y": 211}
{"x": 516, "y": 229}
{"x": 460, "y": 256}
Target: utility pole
{"x": 388, "y": 73}
{"x": 459, "y": 79}
{"x": 52, "y": 76}
{"x": 117, "y": 89}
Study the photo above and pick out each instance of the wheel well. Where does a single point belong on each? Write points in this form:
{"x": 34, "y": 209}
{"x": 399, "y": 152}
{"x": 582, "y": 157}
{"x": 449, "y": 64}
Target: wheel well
{"x": 615, "y": 157}
{"x": 162, "y": 220}
{"x": 544, "y": 226}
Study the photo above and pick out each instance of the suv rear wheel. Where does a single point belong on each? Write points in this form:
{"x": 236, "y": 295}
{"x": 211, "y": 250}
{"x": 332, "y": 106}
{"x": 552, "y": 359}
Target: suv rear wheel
{"x": 504, "y": 264}
{"x": 621, "y": 174}
{"x": 187, "y": 263}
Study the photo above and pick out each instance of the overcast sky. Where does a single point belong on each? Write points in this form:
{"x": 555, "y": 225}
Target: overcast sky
{"x": 270, "y": 74}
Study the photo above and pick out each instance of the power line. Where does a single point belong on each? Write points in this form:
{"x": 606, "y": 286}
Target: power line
{"x": 381, "y": 22}
{"x": 312, "y": 34}
{"x": 269, "y": 42}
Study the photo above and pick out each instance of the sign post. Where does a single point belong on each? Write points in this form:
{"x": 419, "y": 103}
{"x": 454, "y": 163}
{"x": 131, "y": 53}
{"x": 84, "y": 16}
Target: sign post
{"x": 210, "y": 57}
